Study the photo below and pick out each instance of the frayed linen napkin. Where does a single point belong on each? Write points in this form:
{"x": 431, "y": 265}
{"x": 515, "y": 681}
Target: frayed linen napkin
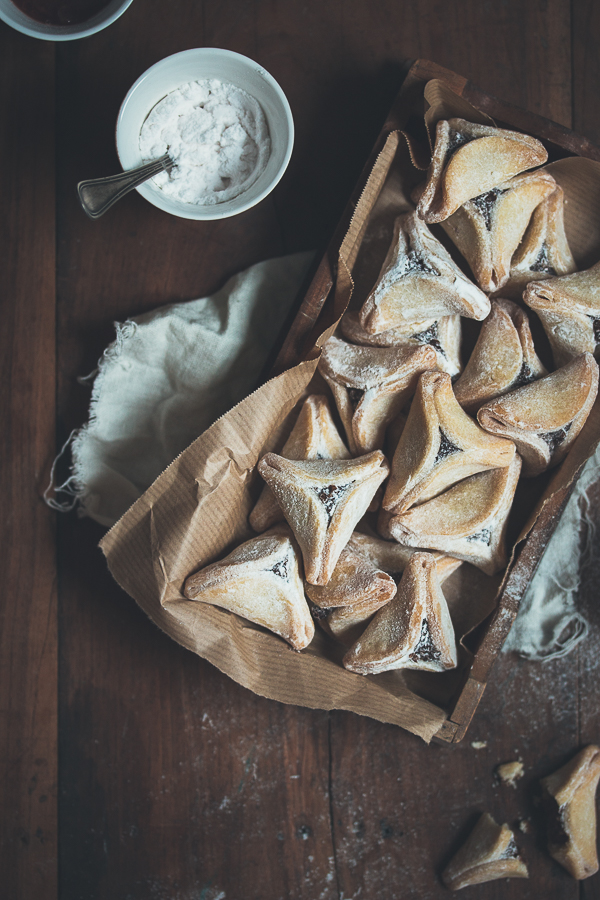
{"x": 167, "y": 377}
{"x": 171, "y": 373}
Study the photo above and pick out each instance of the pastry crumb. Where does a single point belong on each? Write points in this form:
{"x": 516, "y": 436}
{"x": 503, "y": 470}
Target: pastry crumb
{"x": 509, "y": 773}
{"x": 524, "y": 825}
{"x": 478, "y": 745}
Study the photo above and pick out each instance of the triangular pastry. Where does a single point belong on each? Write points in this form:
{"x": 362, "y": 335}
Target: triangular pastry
{"x": 260, "y": 581}
{"x": 490, "y": 852}
{"x": 314, "y": 436}
{"x": 443, "y": 335}
{"x": 440, "y": 444}
{"x": 355, "y": 591}
{"x": 469, "y": 159}
{"x": 393, "y": 558}
{"x": 323, "y": 500}
{"x": 414, "y": 630}
{"x": 361, "y": 583}
{"x": 354, "y": 580}
{"x": 570, "y": 807}
{"x": 370, "y": 386}
{"x": 545, "y": 417}
{"x": 503, "y": 358}
{"x": 419, "y": 280}
{"x": 569, "y": 309}
{"x": 488, "y": 229}
{"x": 467, "y": 521}
{"x": 544, "y": 251}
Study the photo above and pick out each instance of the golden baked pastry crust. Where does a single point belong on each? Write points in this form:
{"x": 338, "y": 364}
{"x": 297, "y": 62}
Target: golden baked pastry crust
{"x": 413, "y": 631}
{"x": 469, "y": 159}
{"x": 380, "y": 557}
{"x": 544, "y": 251}
{"x": 489, "y": 853}
{"x": 444, "y": 335}
{"x": 418, "y": 281}
{"x": 323, "y": 500}
{"x": 569, "y": 309}
{"x": 314, "y": 436}
{"x": 260, "y": 581}
{"x": 488, "y": 229}
{"x": 354, "y": 580}
{"x": 439, "y": 445}
{"x": 570, "y": 806}
{"x": 467, "y": 521}
{"x": 371, "y": 385}
{"x": 503, "y": 358}
{"x": 393, "y": 558}
{"x": 346, "y": 623}
{"x": 545, "y": 417}
{"x": 355, "y": 591}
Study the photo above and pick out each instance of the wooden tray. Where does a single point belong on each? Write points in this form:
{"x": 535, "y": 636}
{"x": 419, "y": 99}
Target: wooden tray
{"x": 297, "y": 342}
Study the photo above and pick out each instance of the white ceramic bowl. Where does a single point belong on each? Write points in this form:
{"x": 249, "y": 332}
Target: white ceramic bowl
{"x": 195, "y": 65}
{"x": 13, "y": 16}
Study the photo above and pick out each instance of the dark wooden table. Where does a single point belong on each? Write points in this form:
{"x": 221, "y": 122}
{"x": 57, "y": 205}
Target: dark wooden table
{"x": 130, "y": 769}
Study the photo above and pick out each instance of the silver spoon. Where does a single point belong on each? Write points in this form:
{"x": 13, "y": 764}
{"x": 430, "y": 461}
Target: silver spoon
{"x": 98, "y": 194}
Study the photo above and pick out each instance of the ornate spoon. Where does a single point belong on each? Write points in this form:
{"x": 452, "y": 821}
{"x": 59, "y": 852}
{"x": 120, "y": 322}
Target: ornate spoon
{"x": 98, "y": 194}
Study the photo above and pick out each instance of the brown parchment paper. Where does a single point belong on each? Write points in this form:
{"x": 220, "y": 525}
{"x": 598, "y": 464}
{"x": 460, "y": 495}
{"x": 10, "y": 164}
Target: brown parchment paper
{"x": 197, "y": 509}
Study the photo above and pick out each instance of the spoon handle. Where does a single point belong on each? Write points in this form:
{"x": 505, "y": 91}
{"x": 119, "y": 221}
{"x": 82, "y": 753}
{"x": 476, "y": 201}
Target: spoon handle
{"x": 98, "y": 194}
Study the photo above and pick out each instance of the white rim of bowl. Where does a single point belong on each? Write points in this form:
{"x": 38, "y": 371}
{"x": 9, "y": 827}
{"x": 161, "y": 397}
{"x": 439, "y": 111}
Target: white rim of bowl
{"x": 74, "y": 36}
{"x": 196, "y": 212}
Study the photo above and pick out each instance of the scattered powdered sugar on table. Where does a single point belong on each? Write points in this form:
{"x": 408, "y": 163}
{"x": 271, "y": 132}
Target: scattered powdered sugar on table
{"x": 217, "y": 135}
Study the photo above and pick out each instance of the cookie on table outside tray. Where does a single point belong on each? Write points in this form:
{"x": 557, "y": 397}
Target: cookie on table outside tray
{"x": 490, "y": 852}
{"x": 570, "y": 807}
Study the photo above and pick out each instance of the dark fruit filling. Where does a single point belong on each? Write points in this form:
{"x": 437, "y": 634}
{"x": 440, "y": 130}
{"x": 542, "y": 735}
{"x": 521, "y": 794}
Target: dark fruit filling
{"x": 555, "y": 825}
{"x": 281, "y": 568}
{"x": 542, "y": 263}
{"x": 319, "y": 612}
{"x": 484, "y": 536}
{"x": 456, "y": 140}
{"x": 430, "y": 336}
{"x": 446, "y": 448}
{"x": 485, "y": 204}
{"x": 329, "y": 497}
{"x": 512, "y": 851}
{"x": 554, "y": 438}
{"x": 415, "y": 263}
{"x": 425, "y": 649}
{"x": 596, "y": 327}
{"x": 525, "y": 376}
{"x": 354, "y": 396}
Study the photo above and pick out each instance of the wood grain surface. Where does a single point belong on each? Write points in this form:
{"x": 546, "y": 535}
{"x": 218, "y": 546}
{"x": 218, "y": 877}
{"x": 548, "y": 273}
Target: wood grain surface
{"x": 175, "y": 783}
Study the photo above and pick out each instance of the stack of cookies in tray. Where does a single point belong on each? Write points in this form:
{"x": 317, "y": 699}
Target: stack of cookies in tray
{"x": 409, "y": 467}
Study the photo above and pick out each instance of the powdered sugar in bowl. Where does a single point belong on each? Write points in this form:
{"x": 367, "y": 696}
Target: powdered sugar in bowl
{"x": 226, "y": 123}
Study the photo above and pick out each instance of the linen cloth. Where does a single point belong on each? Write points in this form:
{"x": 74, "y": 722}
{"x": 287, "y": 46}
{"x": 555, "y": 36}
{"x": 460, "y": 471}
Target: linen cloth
{"x": 169, "y": 375}
{"x": 172, "y": 372}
